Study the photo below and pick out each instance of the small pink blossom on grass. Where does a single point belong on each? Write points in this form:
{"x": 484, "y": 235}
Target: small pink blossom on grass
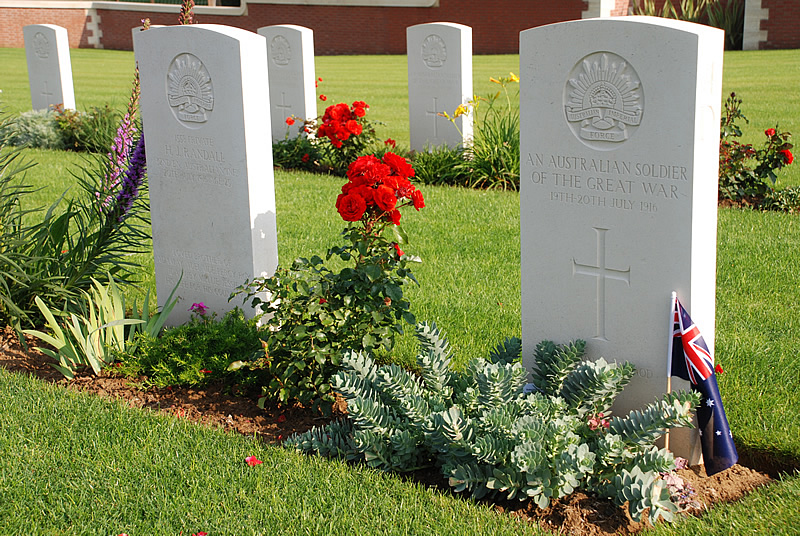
{"x": 252, "y": 461}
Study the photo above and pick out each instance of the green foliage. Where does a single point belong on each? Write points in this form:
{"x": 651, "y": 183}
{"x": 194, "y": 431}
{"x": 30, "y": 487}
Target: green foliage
{"x": 489, "y": 437}
{"x": 313, "y": 314}
{"x": 91, "y": 131}
{"x": 728, "y": 16}
{"x": 743, "y": 169}
{"x": 92, "y": 337}
{"x": 35, "y": 129}
{"x": 297, "y": 152}
{"x": 54, "y": 254}
{"x": 194, "y": 353}
{"x": 785, "y": 200}
{"x": 440, "y": 166}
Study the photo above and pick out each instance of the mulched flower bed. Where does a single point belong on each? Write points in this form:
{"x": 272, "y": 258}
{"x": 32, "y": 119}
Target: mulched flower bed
{"x": 220, "y": 405}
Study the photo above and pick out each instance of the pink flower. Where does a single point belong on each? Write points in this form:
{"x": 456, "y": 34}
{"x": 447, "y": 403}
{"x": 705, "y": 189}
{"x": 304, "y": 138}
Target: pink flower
{"x": 252, "y": 461}
{"x": 198, "y": 308}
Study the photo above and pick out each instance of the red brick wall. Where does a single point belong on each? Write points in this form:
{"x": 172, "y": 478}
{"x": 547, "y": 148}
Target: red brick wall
{"x": 374, "y": 30}
{"x": 13, "y": 19}
{"x": 782, "y": 27}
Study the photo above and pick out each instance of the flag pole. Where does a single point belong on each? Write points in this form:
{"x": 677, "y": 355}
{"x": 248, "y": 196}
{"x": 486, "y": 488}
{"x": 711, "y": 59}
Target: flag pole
{"x": 672, "y": 299}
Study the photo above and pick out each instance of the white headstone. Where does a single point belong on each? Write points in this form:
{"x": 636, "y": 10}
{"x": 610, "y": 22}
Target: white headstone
{"x": 619, "y": 143}
{"x": 206, "y": 125}
{"x": 292, "y": 91}
{"x": 49, "y": 67}
{"x": 439, "y": 79}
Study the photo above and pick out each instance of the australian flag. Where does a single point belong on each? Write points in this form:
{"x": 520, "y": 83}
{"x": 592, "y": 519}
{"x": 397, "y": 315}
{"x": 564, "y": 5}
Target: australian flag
{"x": 691, "y": 360}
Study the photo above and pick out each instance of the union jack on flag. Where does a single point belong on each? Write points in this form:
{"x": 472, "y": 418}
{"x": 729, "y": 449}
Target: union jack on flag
{"x": 691, "y": 360}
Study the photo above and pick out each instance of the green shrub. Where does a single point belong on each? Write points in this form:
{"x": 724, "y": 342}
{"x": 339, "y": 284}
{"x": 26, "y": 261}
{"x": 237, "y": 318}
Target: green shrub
{"x": 91, "y": 131}
{"x": 489, "y": 437}
{"x": 37, "y": 129}
{"x": 743, "y": 169}
{"x": 785, "y": 200}
{"x": 440, "y": 166}
{"x": 193, "y": 353}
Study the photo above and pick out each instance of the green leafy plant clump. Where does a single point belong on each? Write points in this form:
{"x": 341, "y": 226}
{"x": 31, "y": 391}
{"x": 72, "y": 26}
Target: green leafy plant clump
{"x": 491, "y": 437}
{"x": 194, "y": 353}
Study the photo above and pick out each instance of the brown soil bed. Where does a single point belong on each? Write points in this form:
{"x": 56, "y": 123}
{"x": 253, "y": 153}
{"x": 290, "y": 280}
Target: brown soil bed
{"x": 215, "y": 405}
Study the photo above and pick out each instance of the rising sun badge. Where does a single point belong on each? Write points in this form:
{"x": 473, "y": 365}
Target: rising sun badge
{"x": 603, "y": 100}
{"x": 189, "y": 90}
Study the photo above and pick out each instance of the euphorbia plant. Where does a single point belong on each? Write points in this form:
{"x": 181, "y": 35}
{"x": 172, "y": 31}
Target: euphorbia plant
{"x": 314, "y": 314}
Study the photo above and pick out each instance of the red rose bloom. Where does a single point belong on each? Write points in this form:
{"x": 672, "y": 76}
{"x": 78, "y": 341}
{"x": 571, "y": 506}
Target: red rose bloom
{"x": 399, "y": 165}
{"x": 290, "y": 121}
{"x": 417, "y": 199}
{"x": 770, "y": 132}
{"x": 354, "y": 127}
{"x": 390, "y": 141}
{"x": 385, "y": 198}
{"x": 788, "y": 157}
{"x": 351, "y": 207}
{"x": 305, "y": 157}
{"x": 323, "y": 98}
{"x": 395, "y": 216}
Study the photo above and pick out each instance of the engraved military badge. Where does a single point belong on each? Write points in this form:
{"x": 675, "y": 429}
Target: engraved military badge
{"x": 280, "y": 51}
{"x": 41, "y": 46}
{"x": 603, "y": 100}
{"x": 189, "y": 90}
{"x": 434, "y": 51}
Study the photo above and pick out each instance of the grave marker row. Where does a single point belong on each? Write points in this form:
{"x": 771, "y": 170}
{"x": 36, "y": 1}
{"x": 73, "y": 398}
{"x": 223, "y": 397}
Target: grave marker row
{"x": 619, "y": 133}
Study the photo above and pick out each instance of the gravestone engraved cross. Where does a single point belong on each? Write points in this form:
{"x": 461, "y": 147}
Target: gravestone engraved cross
{"x": 45, "y": 92}
{"x": 49, "y": 67}
{"x": 286, "y": 108}
{"x": 601, "y": 272}
{"x": 435, "y": 114}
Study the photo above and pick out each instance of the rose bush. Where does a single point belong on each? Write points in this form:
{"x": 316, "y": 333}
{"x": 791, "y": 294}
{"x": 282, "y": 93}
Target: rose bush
{"x": 314, "y": 314}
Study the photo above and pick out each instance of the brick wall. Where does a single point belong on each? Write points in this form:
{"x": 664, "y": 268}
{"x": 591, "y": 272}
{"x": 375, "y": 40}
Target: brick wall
{"x": 73, "y": 19}
{"x": 782, "y": 25}
{"x": 358, "y": 30}
{"x": 374, "y": 30}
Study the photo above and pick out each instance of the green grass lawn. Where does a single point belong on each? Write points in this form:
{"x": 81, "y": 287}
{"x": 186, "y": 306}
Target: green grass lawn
{"x": 70, "y": 463}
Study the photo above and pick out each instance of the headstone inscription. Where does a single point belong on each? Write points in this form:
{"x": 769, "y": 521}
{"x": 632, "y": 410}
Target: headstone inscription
{"x": 212, "y": 197}
{"x": 439, "y": 79}
{"x": 619, "y": 143}
{"x": 292, "y": 91}
{"x": 49, "y": 67}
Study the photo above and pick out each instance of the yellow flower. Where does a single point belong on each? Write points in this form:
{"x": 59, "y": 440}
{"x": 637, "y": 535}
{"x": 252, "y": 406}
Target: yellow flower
{"x": 461, "y": 110}
{"x": 495, "y": 80}
{"x": 513, "y": 77}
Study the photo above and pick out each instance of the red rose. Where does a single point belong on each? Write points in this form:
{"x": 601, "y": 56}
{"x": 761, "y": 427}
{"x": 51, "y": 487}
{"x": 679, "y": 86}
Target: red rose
{"x": 351, "y": 207}
{"x": 354, "y": 127}
{"x": 323, "y": 98}
{"x": 770, "y": 132}
{"x": 385, "y": 198}
{"x": 367, "y": 193}
{"x": 395, "y": 216}
{"x": 788, "y": 157}
{"x": 390, "y": 141}
{"x": 417, "y": 199}
{"x": 399, "y": 165}
{"x": 305, "y": 157}
{"x": 399, "y": 251}
{"x": 359, "y": 112}
{"x": 290, "y": 121}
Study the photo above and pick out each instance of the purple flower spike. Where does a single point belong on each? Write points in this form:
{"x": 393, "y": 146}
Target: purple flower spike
{"x": 137, "y": 166}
